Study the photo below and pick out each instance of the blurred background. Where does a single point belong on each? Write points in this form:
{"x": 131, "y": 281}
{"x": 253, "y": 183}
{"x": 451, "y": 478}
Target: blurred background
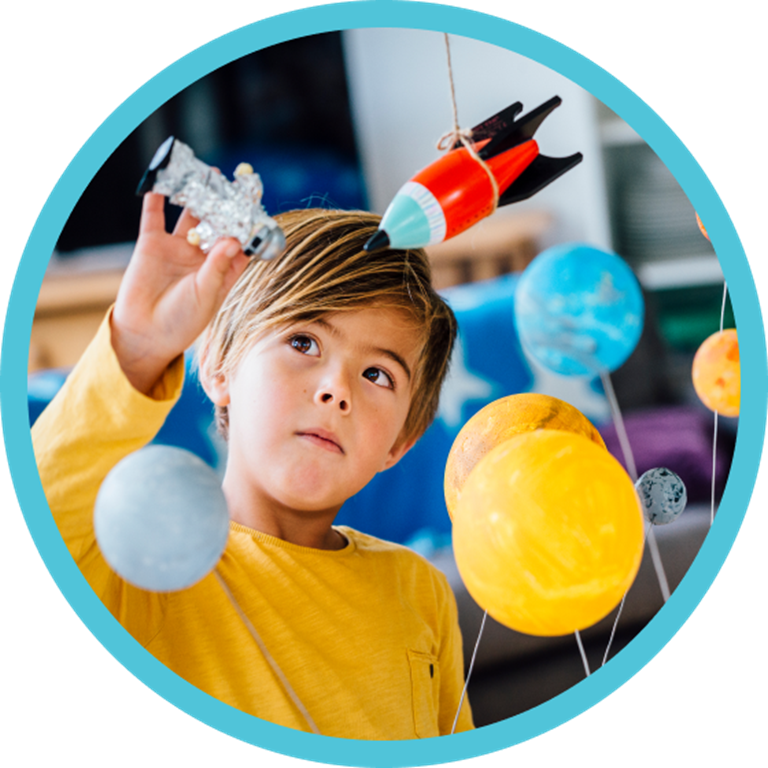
{"x": 343, "y": 120}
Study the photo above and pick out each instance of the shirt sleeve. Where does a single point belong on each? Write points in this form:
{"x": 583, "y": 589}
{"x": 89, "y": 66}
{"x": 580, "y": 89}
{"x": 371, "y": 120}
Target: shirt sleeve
{"x": 95, "y": 420}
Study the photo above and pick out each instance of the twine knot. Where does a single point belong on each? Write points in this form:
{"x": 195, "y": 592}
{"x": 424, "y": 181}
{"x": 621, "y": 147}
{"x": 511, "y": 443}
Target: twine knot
{"x": 464, "y": 135}
{"x": 457, "y": 135}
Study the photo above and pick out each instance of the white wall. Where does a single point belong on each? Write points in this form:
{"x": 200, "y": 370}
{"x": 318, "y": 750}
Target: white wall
{"x": 401, "y": 104}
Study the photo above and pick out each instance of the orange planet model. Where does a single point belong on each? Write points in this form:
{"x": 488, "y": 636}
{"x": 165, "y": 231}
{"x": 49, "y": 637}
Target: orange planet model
{"x": 548, "y": 533}
{"x": 503, "y": 419}
{"x": 701, "y": 227}
{"x": 716, "y": 373}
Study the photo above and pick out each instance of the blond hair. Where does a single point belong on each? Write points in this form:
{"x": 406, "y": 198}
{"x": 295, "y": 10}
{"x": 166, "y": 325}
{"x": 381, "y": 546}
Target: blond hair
{"x": 324, "y": 269}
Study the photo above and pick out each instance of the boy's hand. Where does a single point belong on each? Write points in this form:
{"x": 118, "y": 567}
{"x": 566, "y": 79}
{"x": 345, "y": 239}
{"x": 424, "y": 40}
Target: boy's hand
{"x": 170, "y": 292}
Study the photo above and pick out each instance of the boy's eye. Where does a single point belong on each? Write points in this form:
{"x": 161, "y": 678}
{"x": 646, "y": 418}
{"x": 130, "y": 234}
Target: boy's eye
{"x": 379, "y": 377}
{"x": 304, "y": 344}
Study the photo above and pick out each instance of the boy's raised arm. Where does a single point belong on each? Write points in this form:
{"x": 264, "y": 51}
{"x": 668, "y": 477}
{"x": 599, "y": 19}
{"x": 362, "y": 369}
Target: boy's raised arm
{"x": 170, "y": 292}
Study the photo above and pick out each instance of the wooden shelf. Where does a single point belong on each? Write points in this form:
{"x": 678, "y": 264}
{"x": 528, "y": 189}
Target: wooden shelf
{"x": 72, "y": 302}
{"x": 70, "y": 307}
{"x": 496, "y": 246}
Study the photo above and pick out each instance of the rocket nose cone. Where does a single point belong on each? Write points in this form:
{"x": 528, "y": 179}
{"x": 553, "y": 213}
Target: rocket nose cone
{"x": 377, "y": 241}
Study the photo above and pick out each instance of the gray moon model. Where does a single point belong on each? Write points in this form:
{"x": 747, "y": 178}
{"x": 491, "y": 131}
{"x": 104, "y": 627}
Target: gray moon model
{"x": 662, "y": 495}
{"x": 161, "y": 519}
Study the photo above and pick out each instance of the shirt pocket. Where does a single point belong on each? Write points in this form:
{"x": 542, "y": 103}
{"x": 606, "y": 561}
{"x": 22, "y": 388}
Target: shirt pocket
{"x": 425, "y": 693}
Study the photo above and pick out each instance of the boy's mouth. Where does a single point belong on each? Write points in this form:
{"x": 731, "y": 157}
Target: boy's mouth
{"x": 322, "y": 439}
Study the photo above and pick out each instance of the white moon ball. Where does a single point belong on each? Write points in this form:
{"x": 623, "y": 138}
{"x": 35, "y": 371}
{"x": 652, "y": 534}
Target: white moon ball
{"x": 161, "y": 519}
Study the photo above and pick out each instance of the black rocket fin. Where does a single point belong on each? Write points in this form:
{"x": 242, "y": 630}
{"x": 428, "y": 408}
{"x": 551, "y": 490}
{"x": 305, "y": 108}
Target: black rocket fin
{"x": 520, "y": 130}
{"x": 499, "y": 123}
{"x": 542, "y": 171}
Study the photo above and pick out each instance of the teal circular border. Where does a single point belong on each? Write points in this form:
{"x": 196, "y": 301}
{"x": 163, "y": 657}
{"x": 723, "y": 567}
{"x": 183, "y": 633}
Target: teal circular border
{"x": 415, "y": 15}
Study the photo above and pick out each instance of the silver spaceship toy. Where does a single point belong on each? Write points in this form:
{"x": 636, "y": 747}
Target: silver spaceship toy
{"x": 225, "y": 208}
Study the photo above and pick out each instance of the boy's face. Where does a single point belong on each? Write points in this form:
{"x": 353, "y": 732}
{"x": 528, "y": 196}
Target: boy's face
{"x": 317, "y": 409}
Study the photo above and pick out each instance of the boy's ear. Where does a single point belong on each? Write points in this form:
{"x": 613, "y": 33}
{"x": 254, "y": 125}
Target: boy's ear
{"x": 400, "y": 448}
{"x": 216, "y": 387}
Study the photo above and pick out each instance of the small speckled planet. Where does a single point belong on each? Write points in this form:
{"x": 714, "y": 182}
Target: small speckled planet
{"x": 579, "y": 310}
{"x": 662, "y": 495}
{"x": 548, "y": 533}
{"x": 502, "y": 419}
{"x": 716, "y": 373}
{"x": 161, "y": 519}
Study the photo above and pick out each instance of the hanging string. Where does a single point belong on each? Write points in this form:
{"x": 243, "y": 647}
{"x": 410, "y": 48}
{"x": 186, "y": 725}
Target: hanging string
{"x": 469, "y": 672}
{"x": 714, "y": 436}
{"x": 657, "y": 564}
{"x": 722, "y": 306}
{"x": 714, "y": 470}
{"x": 447, "y": 142}
{"x": 629, "y": 460}
{"x": 267, "y": 655}
{"x": 463, "y": 136}
{"x": 613, "y": 629}
{"x": 583, "y": 654}
{"x": 650, "y": 538}
{"x": 618, "y": 422}
{"x": 663, "y": 585}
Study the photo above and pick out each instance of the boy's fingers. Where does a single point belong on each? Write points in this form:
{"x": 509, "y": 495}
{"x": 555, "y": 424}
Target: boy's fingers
{"x": 185, "y": 223}
{"x": 223, "y": 265}
{"x": 152, "y": 213}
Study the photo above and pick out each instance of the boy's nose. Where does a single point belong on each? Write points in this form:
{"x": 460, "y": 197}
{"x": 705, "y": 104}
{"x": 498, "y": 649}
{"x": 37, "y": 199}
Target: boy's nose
{"x": 329, "y": 398}
{"x": 334, "y": 391}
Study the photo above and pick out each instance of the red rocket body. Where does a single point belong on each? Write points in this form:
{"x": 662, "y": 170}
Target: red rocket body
{"x": 462, "y": 187}
{"x": 455, "y": 192}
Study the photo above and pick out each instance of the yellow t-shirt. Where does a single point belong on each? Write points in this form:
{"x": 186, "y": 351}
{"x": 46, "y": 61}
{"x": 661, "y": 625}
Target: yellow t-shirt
{"x": 367, "y": 636}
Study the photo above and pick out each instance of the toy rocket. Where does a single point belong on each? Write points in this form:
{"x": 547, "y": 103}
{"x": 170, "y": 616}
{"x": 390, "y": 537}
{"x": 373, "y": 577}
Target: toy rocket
{"x": 454, "y": 192}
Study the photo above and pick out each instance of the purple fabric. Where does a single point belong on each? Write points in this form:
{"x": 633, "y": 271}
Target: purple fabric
{"x": 678, "y": 438}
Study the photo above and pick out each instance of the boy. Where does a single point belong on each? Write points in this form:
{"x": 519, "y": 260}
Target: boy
{"x": 324, "y": 365}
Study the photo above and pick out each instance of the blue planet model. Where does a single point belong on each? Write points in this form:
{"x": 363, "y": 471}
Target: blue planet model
{"x": 161, "y": 519}
{"x": 662, "y": 495}
{"x": 579, "y": 310}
